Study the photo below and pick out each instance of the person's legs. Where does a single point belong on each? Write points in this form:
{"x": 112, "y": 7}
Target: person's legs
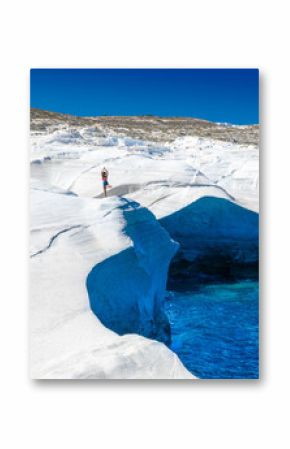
{"x": 105, "y": 183}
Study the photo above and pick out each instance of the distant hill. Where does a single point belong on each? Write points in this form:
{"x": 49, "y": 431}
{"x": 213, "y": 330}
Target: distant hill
{"x": 152, "y": 128}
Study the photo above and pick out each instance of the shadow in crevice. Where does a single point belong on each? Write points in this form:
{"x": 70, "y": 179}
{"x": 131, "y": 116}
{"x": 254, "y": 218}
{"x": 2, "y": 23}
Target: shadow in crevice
{"x": 219, "y": 241}
{"x": 127, "y": 290}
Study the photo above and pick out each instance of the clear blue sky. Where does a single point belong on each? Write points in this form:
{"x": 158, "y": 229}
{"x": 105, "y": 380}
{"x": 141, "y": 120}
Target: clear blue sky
{"x": 222, "y": 95}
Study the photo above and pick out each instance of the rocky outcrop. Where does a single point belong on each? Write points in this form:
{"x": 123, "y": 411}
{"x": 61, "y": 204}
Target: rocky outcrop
{"x": 150, "y": 127}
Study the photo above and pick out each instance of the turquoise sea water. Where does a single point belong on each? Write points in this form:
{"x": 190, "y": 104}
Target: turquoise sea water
{"x": 215, "y": 329}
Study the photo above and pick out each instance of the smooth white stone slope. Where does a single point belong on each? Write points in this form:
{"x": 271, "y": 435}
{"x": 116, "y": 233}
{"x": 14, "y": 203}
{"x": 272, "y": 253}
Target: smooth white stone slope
{"x": 75, "y": 230}
{"x": 71, "y": 235}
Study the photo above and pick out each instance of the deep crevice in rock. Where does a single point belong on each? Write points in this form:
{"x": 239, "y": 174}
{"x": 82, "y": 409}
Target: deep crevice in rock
{"x": 218, "y": 242}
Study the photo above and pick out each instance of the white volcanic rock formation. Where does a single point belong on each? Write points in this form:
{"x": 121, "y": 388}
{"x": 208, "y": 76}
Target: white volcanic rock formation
{"x": 70, "y": 236}
{"x": 111, "y": 255}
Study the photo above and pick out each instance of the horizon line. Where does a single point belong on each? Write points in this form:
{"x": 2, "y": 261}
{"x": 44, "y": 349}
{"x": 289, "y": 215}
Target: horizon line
{"x": 144, "y": 115}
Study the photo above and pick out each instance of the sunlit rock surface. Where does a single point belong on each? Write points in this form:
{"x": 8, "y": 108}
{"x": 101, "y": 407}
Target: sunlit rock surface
{"x": 70, "y": 236}
{"x": 80, "y": 239}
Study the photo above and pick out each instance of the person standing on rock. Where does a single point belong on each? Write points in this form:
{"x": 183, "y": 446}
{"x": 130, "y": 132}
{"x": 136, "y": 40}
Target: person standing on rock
{"x": 105, "y": 175}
